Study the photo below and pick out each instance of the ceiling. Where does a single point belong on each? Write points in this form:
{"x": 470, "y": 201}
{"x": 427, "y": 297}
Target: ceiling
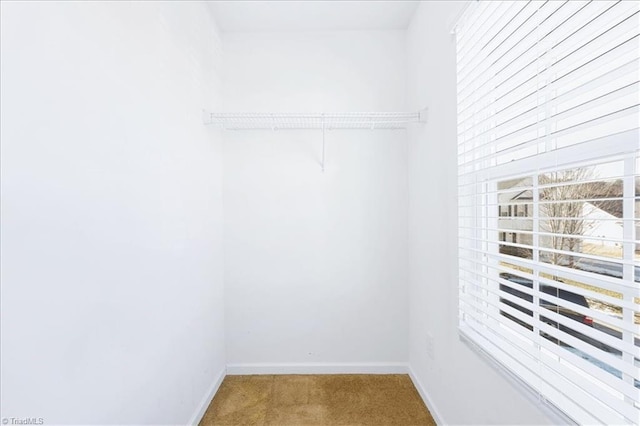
{"x": 306, "y": 15}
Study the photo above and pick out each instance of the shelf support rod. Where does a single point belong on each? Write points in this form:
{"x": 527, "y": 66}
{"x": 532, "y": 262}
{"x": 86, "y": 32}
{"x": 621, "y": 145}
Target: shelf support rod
{"x": 322, "y": 143}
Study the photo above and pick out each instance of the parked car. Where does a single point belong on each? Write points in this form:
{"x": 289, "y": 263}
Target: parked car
{"x": 576, "y": 298}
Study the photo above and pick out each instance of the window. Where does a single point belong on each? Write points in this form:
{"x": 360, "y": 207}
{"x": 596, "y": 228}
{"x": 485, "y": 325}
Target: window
{"x": 549, "y": 198}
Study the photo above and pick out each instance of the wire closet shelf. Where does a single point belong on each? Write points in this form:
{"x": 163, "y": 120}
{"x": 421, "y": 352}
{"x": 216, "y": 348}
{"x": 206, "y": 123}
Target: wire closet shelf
{"x": 318, "y": 121}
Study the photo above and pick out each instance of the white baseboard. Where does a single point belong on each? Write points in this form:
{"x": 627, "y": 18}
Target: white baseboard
{"x": 319, "y": 368}
{"x": 426, "y": 398}
{"x": 206, "y": 400}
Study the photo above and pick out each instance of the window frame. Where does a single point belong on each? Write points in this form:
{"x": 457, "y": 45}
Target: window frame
{"x": 479, "y": 172}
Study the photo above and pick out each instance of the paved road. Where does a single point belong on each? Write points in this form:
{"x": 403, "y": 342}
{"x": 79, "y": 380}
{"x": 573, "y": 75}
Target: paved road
{"x": 612, "y": 332}
{"x": 605, "y": 268}
{"x": 617, "y": 334}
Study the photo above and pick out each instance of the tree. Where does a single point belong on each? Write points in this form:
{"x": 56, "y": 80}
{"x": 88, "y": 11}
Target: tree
{"x": 564, "y": 210}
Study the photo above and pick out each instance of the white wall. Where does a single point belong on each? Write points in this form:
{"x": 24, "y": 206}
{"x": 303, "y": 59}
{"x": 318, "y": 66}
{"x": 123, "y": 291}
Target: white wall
{"x": 112, "y": 298}
{"x": 112, "y": 225}
{"x": 463, "y": 388}
{"x": 315, "y": 263}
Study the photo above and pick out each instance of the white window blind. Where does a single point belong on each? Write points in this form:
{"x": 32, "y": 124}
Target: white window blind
{"x": 549, "y": 198}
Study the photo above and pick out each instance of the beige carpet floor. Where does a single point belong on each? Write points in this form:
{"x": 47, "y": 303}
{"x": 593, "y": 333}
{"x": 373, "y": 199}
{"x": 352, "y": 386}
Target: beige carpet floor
{"x": 342, "y": 399}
